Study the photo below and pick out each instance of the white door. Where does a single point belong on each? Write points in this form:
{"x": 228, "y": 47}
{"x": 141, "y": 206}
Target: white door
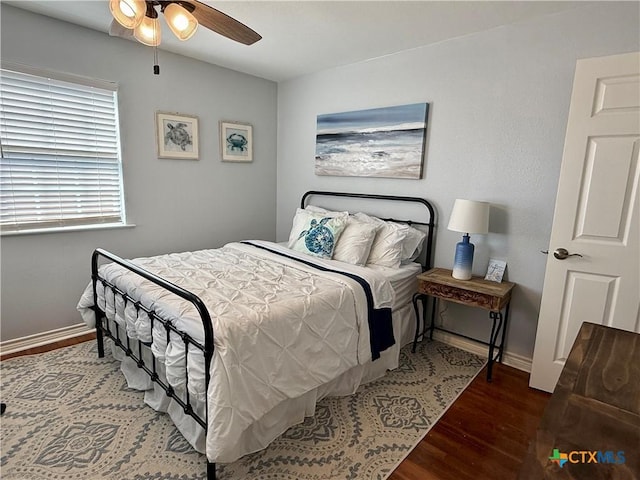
{"x": 596, "y": 215}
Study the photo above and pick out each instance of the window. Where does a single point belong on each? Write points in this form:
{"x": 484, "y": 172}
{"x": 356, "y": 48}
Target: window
{"x": 60, "y": 150}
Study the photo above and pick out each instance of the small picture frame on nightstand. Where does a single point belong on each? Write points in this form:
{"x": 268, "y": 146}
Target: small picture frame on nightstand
{"x": 496, "y": 269}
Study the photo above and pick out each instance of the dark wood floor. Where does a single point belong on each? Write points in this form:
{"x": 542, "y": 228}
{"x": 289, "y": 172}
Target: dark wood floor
{"x": 50, "y": 346}
{"x": 484, "y": 434}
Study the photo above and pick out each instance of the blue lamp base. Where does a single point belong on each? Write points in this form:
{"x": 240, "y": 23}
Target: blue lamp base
{"x": 463, "y": 261}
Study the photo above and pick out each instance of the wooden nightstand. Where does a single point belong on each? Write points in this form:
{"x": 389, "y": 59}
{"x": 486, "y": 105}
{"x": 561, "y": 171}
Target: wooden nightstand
{"x": 477, "y": 292}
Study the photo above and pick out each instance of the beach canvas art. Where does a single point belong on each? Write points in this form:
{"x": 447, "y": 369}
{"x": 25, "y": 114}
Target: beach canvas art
{"x": 379, "y": 142}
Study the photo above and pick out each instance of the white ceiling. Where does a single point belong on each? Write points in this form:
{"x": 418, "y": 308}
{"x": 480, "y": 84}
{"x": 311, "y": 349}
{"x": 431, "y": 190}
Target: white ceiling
{"x": 302, "y": 37}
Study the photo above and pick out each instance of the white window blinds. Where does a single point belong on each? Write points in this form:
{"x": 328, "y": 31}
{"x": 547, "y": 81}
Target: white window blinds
{"x": 60, "y": 152}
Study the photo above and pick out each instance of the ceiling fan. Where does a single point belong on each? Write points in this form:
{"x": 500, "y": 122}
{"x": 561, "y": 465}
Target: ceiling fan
{"x": 139, "y": 18}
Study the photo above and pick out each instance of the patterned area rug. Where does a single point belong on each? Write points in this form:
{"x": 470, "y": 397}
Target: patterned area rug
{"x": 70, "y": 415}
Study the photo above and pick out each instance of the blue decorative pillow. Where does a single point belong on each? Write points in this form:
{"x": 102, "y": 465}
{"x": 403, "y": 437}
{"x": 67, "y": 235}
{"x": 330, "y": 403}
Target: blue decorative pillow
{"x": 315, "y": 233}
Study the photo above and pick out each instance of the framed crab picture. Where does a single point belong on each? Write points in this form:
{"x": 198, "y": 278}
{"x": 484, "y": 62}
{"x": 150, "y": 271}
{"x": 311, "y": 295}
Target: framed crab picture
{"x": 177, "y": 136}
{"x": 236, "y": 142}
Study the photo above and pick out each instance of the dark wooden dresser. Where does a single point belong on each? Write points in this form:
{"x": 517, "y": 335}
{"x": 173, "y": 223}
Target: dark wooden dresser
{"x": 591, "y": 424}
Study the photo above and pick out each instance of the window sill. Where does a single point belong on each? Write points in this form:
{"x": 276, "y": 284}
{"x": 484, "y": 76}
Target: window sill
{"x": 78, "y": 228}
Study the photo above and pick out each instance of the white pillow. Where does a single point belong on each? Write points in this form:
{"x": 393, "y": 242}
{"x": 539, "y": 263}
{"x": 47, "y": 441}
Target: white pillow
{"x": 354, "y": 245}
{"x": 316, "y": 233}
{"x": 387, "y": 248}
{"x": 412, "y": 245}
{"x": 355, "y": 241}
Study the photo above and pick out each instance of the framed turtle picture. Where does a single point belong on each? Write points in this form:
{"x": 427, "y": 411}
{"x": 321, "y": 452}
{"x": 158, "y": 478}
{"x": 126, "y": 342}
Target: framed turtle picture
{"x": 177, "y": 135}
{"x": 236, "y": 142}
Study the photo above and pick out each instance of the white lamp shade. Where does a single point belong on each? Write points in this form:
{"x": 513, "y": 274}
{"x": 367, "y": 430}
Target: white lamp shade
{"x": 148, "y": 32}
{"x": 469, "y": 216}
{"x": 181, "y": 22}
{"x": 128, "y": 13}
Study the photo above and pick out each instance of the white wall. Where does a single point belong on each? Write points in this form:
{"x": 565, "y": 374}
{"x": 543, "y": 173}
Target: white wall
{"x": 499, "y": 105}
{"x": 175, "y": 204}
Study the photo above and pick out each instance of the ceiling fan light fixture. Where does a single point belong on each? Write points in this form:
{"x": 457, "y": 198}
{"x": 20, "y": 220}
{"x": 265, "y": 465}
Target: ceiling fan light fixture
{"x": 181, "y": 22}
{"x": 128, "y": 13}
{"x": 148, "y": 32}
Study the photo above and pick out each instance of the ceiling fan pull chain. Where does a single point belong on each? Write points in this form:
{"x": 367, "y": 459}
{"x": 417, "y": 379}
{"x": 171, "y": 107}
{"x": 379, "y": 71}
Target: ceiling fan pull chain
{"x": 156, "y": 66}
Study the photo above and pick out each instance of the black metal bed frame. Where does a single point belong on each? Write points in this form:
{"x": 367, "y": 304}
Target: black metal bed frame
{"x": 103, "y": 328}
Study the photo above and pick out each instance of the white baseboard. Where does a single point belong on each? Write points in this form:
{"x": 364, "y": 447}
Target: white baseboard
{"x": 516, "y": 361}
{"x": 44, "y": 338}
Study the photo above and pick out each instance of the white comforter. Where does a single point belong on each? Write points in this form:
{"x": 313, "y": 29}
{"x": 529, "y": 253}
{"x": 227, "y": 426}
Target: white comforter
{"x": 281, "y": 328}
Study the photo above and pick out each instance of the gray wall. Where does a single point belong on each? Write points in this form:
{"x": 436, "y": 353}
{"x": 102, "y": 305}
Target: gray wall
{"x": 176, "y": 205}
{"x": 499, "y": 106}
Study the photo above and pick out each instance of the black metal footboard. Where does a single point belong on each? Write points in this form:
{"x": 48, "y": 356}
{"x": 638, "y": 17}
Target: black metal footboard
{"x": 135, "y": 351}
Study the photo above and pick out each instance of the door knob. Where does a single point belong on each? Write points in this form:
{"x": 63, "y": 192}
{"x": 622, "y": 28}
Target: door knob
{"x": 563, "y": 253}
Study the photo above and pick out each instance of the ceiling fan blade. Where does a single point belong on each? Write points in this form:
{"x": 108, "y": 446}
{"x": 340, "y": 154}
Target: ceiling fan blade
{"x": 223, "y": 24}
{"x": 117, "y": 30}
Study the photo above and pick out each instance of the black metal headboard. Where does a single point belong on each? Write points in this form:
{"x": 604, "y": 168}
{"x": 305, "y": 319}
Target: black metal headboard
{"x": 429, "y": 224}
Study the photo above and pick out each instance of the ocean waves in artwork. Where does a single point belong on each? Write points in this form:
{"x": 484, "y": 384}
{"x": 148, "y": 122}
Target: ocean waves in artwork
{"x": 394, "y": 153}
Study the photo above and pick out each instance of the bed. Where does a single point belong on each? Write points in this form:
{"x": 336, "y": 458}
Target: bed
{"x": 238, "y": 343}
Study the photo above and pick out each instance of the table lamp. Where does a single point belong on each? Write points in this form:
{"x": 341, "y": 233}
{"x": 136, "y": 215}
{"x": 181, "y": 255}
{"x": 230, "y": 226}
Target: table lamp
{"x": 467, "y": 216}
